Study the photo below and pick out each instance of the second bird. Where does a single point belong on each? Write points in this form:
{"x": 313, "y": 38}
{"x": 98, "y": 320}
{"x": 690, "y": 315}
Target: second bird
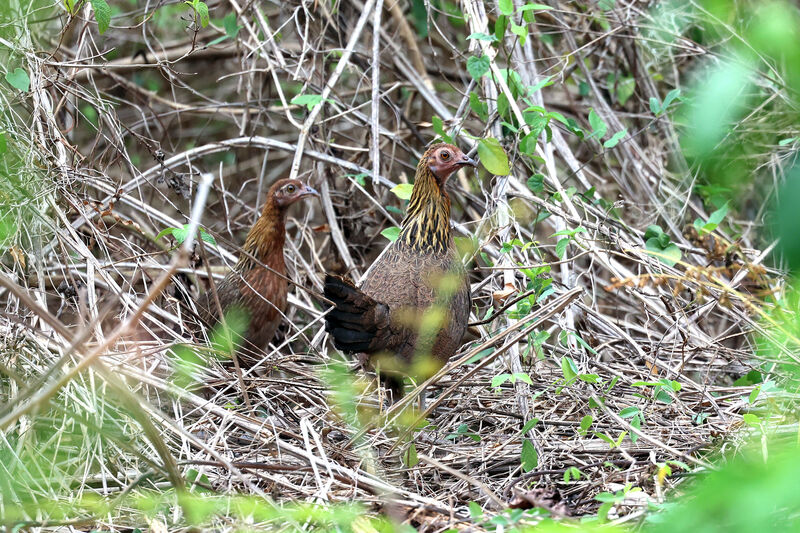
{"x": 411, "y": 313}
{"x": 257, "y": 288}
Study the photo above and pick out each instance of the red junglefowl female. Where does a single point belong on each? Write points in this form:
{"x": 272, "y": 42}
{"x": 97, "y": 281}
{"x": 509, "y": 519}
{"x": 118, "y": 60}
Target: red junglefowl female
{"x": 410, "y": 314}
{"x": 256, "y": 289}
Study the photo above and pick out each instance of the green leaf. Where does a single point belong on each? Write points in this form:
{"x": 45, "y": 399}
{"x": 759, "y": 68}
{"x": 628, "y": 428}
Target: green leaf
{"x": 438, "y": 127}
{"x": 506, "y": 7}
{"x": 19, "y": 80}
{"x": 403, "y": 190}
{"x": 653, "y": 231}
{"x": 179, "y": 234}
{"x": 751, "y": 420}
{"x": 529, "y": 425}
{"x": 606, "y": 5}
{"x": 102, "y": 14}
{"x": 672, "y": 95}
{"x": 500, "y": 379}
{"x": 207, "y": 237}
{"x": 586, "y": 423}
{"x": 478, "y": 66}
{"x": 3, "y": 144}
{"x": 629, "y": 412}
{"x": 525, "y": 378}
{"x": 482, "y": 37}
{"x": 571, "y": 473}
{"x": 500, "y": 27}
{"x": 561, "y": 247}
{"x": 529, "y": 457}
{"x": 614, "y": 140}
{"x": 410, "y": 458}
{"x": 493, "y": 157}
{"x": 534, "y": 7}
{"x": 599, "y": 127}
{"x": 391, "y": 233}
{"x": 528, "y": 143}
{"x": 568, "y": 368}
{"x": 230, "y": 25}
{"x": 655, "y": 105}
{"x": 625, "y": 88}
{"x": 668, "y": 255}
{"x": 70, "y": 5}
{"x": 717, "y": 216}
{"x": 784, "y": 142}
{"x": 753, "y": 395}
{"x": 478, "y": 107}
{"x": 536, "y": 183}
{"x": 309, "y": 100}
{"x": 202, "y": 11}
{"x": 475, "y": 511}
{"x": 520, "y": 31}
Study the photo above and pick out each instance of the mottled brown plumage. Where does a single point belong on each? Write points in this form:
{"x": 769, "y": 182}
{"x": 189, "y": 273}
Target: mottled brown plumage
{"x": 415, "y": 301}
{"x": 257, "y": 285}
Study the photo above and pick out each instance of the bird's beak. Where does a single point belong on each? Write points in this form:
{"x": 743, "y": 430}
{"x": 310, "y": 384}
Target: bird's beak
{"x": 465, "y": 161}
{"x": 308, "y": 191}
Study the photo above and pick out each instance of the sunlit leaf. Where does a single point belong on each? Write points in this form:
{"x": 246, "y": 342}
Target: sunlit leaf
{"x": 493, "y": 157}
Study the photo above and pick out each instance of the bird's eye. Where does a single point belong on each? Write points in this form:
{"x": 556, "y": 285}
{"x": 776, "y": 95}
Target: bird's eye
{"x": 290, "y": 189}
{"x": 445, "y": 155}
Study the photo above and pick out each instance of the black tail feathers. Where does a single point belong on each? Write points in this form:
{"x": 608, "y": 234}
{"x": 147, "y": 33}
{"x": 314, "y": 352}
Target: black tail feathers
{"x": 357, "y": 323}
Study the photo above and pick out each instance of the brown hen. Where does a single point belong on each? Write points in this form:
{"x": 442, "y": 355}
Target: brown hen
{"x": 256, "y": 290}
{"x": 410, "y": 314}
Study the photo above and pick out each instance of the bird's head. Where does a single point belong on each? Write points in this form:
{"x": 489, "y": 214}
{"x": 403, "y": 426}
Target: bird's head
{"x": 443, "y": 159}
{"x": 285, "y": 192}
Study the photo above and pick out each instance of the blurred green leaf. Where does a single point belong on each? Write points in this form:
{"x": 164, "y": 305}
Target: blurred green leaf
{"x": 308, "y": 100}
{"x": 19, "y": 80}
{"x": 410, "y": 459}
{"x": 391, "y": 233}
{"x": 599, "y": 127}
{"x": 614, "y": 140}
{"x": 230, "y": 25}
{"x": 482, "y": 37}
{"x": 403, "y": 190}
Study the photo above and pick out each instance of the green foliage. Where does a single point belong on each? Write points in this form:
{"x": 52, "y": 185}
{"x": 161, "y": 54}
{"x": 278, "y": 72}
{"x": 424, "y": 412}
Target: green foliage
{"x": 706, "y": 227}
{"x": 309, "y": 100}
{"x": 102, "y": 14}
{"x": 200, "y": 10}
{"x": 663, "y": 248}
{"x": 600, "y": 128}
{"x": 750, "y": 493}
{"x": 478, "y": 67}
{"x": 180, "y": 234}
{"x": 528, "y": 457}
{"x": 391, "y": 233}
{"x": 19, "y": 79}
{"x": 493, "y": 157}
{"x": 464, "y": 431}
{"x": 231, "y": 28}
{"x": 438, "y": 127}
{"x": 410, "y": 459}
{"x": 662, "y": 389}
{"x": 659, "y": 108}
{"x": 403, "y": 190}
{"x": 498, "y": 380}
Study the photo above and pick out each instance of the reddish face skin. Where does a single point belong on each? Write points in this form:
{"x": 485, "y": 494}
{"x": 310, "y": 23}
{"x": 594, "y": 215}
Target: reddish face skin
{"x": 445, "y": 159}
{"x": 286, "y": 192}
